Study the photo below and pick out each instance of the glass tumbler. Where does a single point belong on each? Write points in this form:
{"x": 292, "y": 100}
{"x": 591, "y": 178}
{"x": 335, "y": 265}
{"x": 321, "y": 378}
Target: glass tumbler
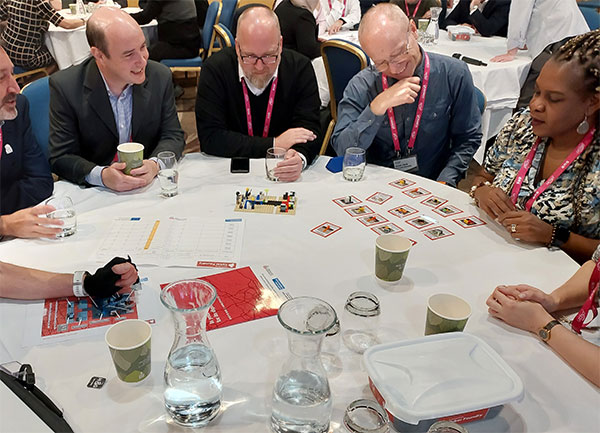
{"x": 64, "y": 211}
{"x": 354, "y": 164}
{"x": 168, "y": 175}
{"x": 274, "y": 156}
{"x": 360, "y": 321}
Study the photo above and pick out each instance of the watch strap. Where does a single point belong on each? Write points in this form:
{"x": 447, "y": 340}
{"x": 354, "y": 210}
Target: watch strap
{"x": 78, "y": 289}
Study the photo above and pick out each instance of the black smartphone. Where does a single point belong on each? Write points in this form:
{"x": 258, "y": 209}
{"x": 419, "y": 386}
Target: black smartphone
{"x": 240, "y": 165}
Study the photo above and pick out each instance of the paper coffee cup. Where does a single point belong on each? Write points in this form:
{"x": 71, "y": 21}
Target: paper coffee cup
{"x": 391, "y": 253}
{"x": 132, "y": 154}
{"x": 73, "y": 8}
{"x": 446, "y": 313}
{"x": 129, "y": 345}
{"x": 423, "y": 24}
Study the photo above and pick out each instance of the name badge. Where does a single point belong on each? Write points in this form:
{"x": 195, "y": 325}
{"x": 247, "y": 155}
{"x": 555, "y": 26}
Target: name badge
{"x": 408, "y": 164}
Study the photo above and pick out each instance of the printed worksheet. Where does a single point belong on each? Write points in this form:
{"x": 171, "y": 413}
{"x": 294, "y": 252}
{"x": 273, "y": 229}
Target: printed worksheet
{"x": 175, "y": 241}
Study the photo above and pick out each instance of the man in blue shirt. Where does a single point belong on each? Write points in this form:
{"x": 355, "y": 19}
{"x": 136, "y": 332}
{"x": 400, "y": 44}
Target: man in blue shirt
{"x": 447, "y": 133}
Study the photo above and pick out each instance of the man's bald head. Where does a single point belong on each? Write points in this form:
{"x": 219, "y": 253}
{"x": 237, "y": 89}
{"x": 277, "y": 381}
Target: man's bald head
{"x": 384, "y": 20}
{"x": 106, "y": 19}
{"x": 258, "y": 22}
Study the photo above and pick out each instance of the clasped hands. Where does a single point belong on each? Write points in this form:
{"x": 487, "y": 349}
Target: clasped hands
{"x": 522, "y": 225}
{"x": 114, "y": 178}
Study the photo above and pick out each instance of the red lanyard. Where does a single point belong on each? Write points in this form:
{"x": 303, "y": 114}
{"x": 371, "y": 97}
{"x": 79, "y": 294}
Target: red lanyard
{"x": 418, "y": 116}
{"x": 343, "y": 11}
{"x": 414, "y": 11}
{"x": 590, "y": 303}
{"x": 269, "y": 108}
{"x": 1, "y": 144}
{"x": 583, "y": 144}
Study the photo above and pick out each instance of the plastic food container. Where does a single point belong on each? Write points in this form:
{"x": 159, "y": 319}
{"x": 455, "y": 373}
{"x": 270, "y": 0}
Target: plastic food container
{"x": 460, "y": 33}
{"x": 452, "y": 376}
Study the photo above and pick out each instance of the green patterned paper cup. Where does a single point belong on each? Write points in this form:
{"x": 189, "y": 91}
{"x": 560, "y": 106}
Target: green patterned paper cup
{"x": 423, "y": 24}
{"x": 131, "y": 154}
{"x": 129, "y": 345}
{"x": 391, "y": 252}
{"x": 446, "y": 313}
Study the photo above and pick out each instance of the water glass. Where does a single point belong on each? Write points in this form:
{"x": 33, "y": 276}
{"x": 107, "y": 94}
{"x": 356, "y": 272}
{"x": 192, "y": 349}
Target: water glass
{"x": 360, "y": 321}
{"x": 65, "y": 212}
{"x": 274, "y": 156}
{"x": 168, "y": 174}
{"x": 354, "y": 164}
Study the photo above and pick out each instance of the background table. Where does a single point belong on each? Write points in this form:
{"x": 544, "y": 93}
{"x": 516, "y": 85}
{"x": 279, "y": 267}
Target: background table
{"x": 499, "y": 82}
{"x": 70, "y": 47}
{"x": 470, "y": 264}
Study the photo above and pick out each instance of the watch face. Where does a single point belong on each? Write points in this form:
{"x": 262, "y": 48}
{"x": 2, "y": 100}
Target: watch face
{"x": 544, "y": 334}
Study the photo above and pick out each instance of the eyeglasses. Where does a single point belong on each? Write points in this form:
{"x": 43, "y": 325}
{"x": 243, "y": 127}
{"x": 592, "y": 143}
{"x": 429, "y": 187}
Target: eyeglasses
{"x": 397, "y": 59}
{"x": 267, "y": 59}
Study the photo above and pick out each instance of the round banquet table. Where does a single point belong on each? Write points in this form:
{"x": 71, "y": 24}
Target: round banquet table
{"x": 70, "y": 47}
{"x": 470, "y": 263}
{"x": 499, "y": 82}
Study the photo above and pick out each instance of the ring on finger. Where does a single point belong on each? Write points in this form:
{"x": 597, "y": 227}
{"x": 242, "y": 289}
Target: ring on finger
{"x": 513, "y": 228}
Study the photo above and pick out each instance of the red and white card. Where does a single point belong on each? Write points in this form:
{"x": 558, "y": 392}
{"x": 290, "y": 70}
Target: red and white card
{"x": 349, "y": 200}
{"x": 372, "y": 220}
{"x": 387, "y": 229}
{"x": 326, "y": 229}
{"x": 469, "y": 222}
{"x": 402, "y": 183}
{"x": 447, "y": 210}
{"x": 416, "y": 192}
{"x": 434, "y": 201}
{"x": 439, "y": 232}
{"x": 379, "y": 198}
{"x": 403, "y": 211}
{"x": 421, "y": 221}
{"x": 357, "y": 211}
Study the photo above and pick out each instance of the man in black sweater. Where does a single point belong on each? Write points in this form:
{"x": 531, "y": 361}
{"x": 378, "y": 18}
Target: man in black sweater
{"x": 488, "y": 17}
{"x": 236, "y": 88}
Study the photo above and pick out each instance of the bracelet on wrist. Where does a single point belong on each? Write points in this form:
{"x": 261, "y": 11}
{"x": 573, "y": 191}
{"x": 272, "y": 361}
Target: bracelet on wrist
{"x": 475, "y": 187}
{"x": 78, "y": 289}
{"x": 560, "y": 236}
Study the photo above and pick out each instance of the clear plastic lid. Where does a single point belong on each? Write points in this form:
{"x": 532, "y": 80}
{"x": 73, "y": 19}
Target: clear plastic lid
{"x": 440, "y": 375}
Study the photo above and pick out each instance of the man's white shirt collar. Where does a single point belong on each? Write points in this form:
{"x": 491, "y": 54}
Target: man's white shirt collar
{"x": 255, "y": 90}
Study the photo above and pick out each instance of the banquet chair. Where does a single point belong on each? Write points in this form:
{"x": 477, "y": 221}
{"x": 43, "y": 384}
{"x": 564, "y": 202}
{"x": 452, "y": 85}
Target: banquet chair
{"x": 591, "y": 15}
{"x": 24, "y": 73}
{"x": 343, "y": 60}
{"x": 229, "y": 7}
{"x": 224, "y": 36}
{"x": 267, "y": 3}
{"x": 38, "y": 94}
{"x": 481, "y": 100}
{"x": 208, "y": 39}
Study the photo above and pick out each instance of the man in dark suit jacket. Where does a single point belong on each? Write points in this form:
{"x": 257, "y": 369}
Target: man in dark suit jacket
{"x": 488, "y": 17}
{"x": 260, "y": 69}
{"x": 25, "y": 178}
{"x": 116, "y": 96}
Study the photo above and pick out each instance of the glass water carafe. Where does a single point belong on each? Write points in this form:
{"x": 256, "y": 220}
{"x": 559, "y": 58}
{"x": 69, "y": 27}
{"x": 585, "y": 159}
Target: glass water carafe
{"x": 301, "y": 397}
{"x": 433, "y": 29}
{"x": 192, "y": 375}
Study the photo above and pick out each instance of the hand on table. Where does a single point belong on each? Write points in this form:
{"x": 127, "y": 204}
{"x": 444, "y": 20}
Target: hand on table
{"x": 493, "y": 201}
{"x": 526, "y": 315}
{"x": 27, "y": 223}
{"x": 290, "y": 168}
{"x": 525, "y": 226}
{"x": 403, "y": 92}
{"x": 294, "y": 136}
{"x": 116, "y": 276}
{"x": 114, "y": 178}
{"x": 508, "y": 57}
{"x": 148, "y": 171}
{"x": 335, "y": 27}
{"x": 524, "y": 292}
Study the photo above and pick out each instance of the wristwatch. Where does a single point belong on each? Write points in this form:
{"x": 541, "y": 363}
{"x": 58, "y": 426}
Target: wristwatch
{"x": 78, "y": 289}
{"x": 561, "y": 236}
{"x": 545, "y": 332}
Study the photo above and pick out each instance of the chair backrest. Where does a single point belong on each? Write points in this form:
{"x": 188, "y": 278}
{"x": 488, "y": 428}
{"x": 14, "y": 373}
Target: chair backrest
{"x": 267, "y": 3}
{"x": 481, "y": 100}
{"x": 208, "y": 30}
{"x": 591, "y": 15}
{"x": 229, "y": 7}
{"x": 343, "y": 60}
{"x": 38, "y": 94}
{"x": 224, "y": 36}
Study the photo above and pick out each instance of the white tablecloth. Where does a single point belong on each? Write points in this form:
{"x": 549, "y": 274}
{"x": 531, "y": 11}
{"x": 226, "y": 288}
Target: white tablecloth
{"x": 70, "y": 47}
{"x": 500, "y": 82}
{"x": 470, "y": 264}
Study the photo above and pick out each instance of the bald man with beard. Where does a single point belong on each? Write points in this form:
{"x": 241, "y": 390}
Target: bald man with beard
{"x": 237, "y": 87}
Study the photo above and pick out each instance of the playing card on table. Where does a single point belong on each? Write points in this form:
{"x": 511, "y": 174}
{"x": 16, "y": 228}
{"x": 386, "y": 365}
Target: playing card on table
{"x": 447, "y": 210}
{"x": 469, "y": 221}
{"x": 421, "y": 221}
{"x": 402, "y": 183}
{"x": 416, "y": 192}
{"x": 379, "y": 198}
{"x": 357, "y": 211}
{"x": 326, "y": 229}
{"x": 348, "y": 200}
{"x": 438, "y": 232}
{"x": 387, "y": 229}
{"x": 434, "y": 201}
{"x": 402, "y": 211}
{"x": 371, "y": 220}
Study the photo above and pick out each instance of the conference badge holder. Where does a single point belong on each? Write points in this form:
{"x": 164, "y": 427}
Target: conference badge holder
{"x": 407, "y": 164}
{"x": 20, "y": 379}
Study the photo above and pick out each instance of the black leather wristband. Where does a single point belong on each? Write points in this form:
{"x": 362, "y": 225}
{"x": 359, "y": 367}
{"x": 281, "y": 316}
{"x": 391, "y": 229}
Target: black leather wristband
{"x": 561, "y": 236}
